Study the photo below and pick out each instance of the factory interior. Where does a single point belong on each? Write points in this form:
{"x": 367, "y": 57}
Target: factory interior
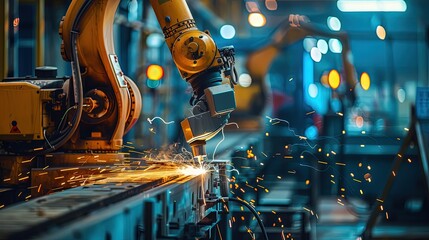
{"x": 214, "y": 119}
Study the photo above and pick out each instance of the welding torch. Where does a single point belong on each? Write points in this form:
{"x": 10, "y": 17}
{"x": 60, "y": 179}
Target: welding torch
{"x": 202, "y": 64}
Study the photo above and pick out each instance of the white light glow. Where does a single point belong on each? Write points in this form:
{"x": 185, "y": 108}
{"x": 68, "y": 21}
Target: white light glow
{"x": 401, "y": 95}
{"x": 335, "y": 45}
{"x": 372, "y": 5}
{"x": 309, "y": 43}
{"x": 257, "y": 19}
{"x": 322, "y": 45}
{"x": 334, "y": 23}
{"x": 245, "y": 80}
{"x": 227, "y": 31}
{"x": 155, "y": 40}
{"x": 313, "y": 91}
{"x": 315, "y": 54}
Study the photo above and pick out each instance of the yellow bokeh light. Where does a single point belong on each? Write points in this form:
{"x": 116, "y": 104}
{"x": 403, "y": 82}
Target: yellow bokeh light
{"x": 365, "y": 81}
{"x": 334, "y": 79}
{"x": 257, "y": 19}
{"x": 154, "y": 72}
{"x": 381, "y": 32}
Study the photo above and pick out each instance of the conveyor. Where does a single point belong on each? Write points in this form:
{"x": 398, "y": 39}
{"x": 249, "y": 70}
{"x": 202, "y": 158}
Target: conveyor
{"x": 163, "y": 203}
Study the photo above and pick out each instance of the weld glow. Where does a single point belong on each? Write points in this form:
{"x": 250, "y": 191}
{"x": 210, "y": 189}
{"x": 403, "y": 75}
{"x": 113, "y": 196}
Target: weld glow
{"x": 192, "y": 170}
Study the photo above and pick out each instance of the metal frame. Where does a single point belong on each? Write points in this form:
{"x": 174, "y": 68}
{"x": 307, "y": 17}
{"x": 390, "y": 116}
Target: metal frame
{"x": 4, "y": 38}
{"x": 414, "y": 135}
{"x": 159, "y": 209}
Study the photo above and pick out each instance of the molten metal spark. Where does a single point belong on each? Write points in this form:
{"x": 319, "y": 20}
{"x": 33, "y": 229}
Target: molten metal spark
{"x": 160, "y": 118}
{"x": 192, "y": 170}
{"x": 277, "y": 120}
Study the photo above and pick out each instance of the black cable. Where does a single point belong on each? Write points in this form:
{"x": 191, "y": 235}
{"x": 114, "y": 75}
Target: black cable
{"x": 261, "y": 225}
{"x": 70, "y": 130}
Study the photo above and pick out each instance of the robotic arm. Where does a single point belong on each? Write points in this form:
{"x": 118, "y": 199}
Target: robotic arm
{"x": 93, "y": 109}
{"x": 112, "y": 100}
{"x": 200, "y": 63}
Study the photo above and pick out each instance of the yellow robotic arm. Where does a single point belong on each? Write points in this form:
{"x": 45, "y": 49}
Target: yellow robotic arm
{"x": 93, "y": 109}
{"x": 200, "y": 63}
{"x": 112, "y": 101}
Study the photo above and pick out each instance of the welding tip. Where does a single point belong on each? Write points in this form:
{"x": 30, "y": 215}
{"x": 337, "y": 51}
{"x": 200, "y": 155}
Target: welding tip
{"x": 199, "y": 148}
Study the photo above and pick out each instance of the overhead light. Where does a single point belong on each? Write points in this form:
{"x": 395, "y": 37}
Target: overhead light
{"x": 372, "y": 5}
{"x": 257, "y": 19}
{"x": 227, "y": 31}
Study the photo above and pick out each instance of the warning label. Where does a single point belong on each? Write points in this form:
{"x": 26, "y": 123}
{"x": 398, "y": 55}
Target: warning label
{"x": 14, "y": 128}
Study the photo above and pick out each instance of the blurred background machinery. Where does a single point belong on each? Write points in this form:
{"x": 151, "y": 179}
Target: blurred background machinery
{"x": 328, "y": 140}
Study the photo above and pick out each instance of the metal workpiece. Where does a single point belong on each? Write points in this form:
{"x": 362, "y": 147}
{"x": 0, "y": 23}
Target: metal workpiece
{"x": 159, "y": 204}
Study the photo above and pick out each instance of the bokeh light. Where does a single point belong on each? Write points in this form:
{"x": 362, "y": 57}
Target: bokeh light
{"x": 154, "y": 72}
{"x": 324, "y": 79}
{"x": 227, "y": 31}
{"x": 257, "y": 19}
{"x": 155, "y": 40}
{"x": 359, "y": 121}
{"x": 334, "y": 79}
{"x": 401, "y": 95}
{"x": 313, "y": 91}
{"x": 365, "y": 81}
{"x": 271, "y": 4}
{"x": 245, "y": 80}
{"x": 309, "y": 43}
{"x": 315, "y": 54}
{"x": 335, "y": 45}
{"x": 322, "y": 45}
{"x": 334, "y": 23}
{"x": 381, "y": 32}
{"x": 311, "y": 132}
